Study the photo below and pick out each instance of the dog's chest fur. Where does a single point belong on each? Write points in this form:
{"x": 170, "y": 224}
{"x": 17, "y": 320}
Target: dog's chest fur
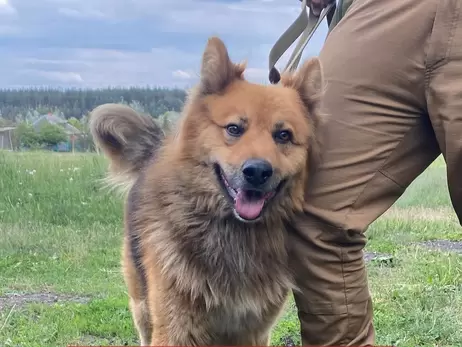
{"x": 223, "y": 262}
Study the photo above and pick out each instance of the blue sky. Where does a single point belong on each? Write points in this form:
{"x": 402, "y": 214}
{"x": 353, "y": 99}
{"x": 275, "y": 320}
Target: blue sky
{"x": 98, "y": 43}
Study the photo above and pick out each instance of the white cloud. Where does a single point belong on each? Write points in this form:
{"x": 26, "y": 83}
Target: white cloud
{"x": 6, "y": 8}
{"x": 74, "y": 13}
{"x": 247, "y": 18}
{"x": 96, "y": 43}
{"x": 57, "y": 76}
{"x": 182, "y": 74}
{"x": 55, "y": 62}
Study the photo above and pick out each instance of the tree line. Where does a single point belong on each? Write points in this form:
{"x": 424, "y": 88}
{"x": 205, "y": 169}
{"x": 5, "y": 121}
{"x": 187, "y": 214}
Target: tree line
{"x": 17, "y": 105}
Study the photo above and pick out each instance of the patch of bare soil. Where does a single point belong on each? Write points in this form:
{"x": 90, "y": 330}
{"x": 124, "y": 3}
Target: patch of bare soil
{"x": 380, "y": 258}
{"x": 20, "y": 299}
{"x": 288, "y": 341}
{"x": 92, "y": 340}
{"x": 443, "y": 245}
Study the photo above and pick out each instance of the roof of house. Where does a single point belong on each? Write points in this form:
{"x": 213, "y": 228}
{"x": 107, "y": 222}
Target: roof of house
{"x": 53, "y": 119}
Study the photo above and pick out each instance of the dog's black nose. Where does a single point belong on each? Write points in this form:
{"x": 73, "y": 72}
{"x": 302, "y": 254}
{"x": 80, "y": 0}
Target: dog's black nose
{"x": 257, "y": 171}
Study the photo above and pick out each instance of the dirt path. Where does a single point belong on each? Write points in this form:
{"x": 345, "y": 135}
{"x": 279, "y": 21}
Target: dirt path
{"x": 443, "y": 245}
{"x": 16, "y": 299}
{"x": 435, "y": 245}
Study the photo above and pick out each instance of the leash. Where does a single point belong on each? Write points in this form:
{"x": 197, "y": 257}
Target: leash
{"x": 305, "y": 25}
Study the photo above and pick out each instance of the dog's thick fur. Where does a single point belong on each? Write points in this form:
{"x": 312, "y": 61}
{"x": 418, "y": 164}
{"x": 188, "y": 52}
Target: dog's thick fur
{"x": 199, "y": 270}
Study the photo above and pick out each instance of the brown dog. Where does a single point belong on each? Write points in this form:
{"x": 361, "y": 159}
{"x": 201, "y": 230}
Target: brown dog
{"x": 204, "y": 252}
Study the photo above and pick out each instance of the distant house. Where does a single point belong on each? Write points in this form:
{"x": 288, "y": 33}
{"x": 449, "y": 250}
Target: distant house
{"x": 6, "y": 138}
{"x": 72, "y": 132}
{"x": 53, "y": 119}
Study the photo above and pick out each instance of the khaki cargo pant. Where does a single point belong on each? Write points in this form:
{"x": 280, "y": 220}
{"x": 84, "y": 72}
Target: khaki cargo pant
{"x": 394, "y": 95}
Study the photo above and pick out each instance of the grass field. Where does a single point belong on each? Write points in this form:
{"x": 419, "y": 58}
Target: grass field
{"x": 60, "y": 237}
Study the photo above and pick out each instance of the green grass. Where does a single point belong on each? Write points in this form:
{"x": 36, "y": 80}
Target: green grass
{"x": 60, "y": 233}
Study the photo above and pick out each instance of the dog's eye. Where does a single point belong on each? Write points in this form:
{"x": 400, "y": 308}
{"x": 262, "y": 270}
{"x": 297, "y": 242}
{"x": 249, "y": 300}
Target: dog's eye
{"x": 234, "y": 130}
{"x": 283, "y": 136}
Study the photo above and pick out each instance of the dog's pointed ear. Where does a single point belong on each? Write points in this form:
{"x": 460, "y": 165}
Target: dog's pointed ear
{"x": 309, "y": 83}
{"x": 128, "y": 139}
{"x": 217, "y": 69}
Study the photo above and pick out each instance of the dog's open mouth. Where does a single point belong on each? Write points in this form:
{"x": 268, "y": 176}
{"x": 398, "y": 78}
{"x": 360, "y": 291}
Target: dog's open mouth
{"x": 248, "y": 203}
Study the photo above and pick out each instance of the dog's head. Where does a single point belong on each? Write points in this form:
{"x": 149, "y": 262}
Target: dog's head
{"x": 258, "y": 140}
{"x": 255, "y": 142}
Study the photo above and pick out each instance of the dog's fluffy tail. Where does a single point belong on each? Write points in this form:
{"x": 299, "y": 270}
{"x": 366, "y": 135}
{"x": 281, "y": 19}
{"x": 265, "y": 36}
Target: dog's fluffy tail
{"x": 128, "y": 139}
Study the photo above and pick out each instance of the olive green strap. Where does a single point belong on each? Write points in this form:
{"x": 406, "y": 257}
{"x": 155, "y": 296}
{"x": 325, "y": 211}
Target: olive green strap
{"x": 304, "y": 25}
{"x": 342, "y": 8}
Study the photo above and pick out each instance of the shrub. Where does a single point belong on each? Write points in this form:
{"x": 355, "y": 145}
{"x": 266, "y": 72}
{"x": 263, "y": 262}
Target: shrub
{"x": 25, "y": 135}
{"x": 51, "y": 134}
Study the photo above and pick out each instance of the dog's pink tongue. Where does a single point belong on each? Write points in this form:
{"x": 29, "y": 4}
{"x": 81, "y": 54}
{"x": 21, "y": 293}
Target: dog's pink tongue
{"x": 248, "y": 209}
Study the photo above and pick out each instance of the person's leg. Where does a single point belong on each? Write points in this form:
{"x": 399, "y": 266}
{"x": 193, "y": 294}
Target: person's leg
{"x": 444, "y": 92}
{"x": 378, "y": 138}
